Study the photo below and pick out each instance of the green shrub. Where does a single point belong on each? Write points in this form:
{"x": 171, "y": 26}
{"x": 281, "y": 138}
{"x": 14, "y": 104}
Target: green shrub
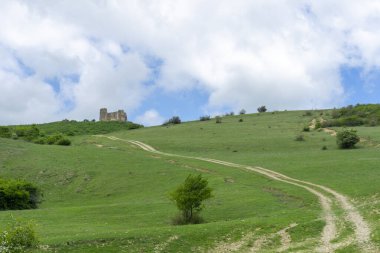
{"x": 373, "y": 122}
{"x": 53, "y": 139}
{"x": 18, "y": 237}
{"x": 18, "y": 195}
{"x": 28, "y": 133}
{"x": 347, "y": 138}
{"x": 64, "y": 142}
{"x": 189, "y": 197}
{"x": 299, "y": 138}
{"x": 306, "y": 129}
{"x": 241, "y": 120}
{"x": 172, "y": 121}
{"x": 318, "y": 125}
{"x": 262, "y": 109}
{"x": 5, "y": 132}
{"x": 135, "y": 126}
{"x": 352, "y": 121}
{"x": 218, "y": 119}
{"x": 70, "y": 133}
{"x": 357, "y": 115}
{"x": 40, "y": 140}
{"x": 205, "y": 118}
{"x": 308, "y": 113}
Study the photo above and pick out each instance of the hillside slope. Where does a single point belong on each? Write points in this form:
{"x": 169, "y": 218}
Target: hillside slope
{"x": 106, "y": 195}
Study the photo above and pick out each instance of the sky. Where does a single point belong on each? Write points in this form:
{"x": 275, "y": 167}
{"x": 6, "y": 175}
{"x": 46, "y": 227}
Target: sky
{"x": 161, "y": 58}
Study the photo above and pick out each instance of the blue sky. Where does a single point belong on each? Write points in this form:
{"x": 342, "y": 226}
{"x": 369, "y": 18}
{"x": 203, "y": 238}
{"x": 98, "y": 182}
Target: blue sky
{"x": 157, "y": 59}
{"x": 361, "y": 87}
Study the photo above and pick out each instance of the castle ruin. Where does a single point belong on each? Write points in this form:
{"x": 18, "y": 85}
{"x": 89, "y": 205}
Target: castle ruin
{"x": 120, "y": 115}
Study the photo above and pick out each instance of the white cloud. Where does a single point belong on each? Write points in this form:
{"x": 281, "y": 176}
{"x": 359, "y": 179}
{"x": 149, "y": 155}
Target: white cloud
{"x": 150, "y": 118}
{"x": 284, "y": 54}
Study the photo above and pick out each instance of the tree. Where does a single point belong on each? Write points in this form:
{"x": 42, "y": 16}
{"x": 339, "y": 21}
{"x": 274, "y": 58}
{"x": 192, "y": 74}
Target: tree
{"x": 204, "y": 118}
{"x": 242, "y": 111}
{"x": 172, "y": 121}
{"x": 189, "y": 197}
{"x": 347, "y": 138}
{"x": 262, "y": 109}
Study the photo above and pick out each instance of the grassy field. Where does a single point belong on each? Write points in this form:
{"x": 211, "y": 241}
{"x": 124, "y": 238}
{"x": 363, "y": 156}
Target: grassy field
{"x": 109, "y": 196}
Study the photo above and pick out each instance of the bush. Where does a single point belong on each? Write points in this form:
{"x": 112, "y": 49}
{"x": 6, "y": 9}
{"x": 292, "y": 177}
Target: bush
{"x": 189, "y": 197}
{"x": 262, "y": 109}
{"x": 18, "y": 237}
{"x": 205, "y": 118}
{"x": 39, "y": 141}
{"x": 174, "y": 120}
{"x": 218, "y": 119}
{"x": 373, "y": 122}
{"x": 135, "y": 126}
{"x": 318, "y": 125}
{"x": 347, "y": 138}
{"x": 5, "y": 132}
{"x": 53, "y": 139}
{"x": 242, "y": 111}
{"x": 324, "y": 147}
{"x": 240, "y": 120}
{"x": 70, "y": 133}
{"x": 308, "y": 113}
{"x": 64, "y": 142}
{"x": 357, "y": 115}
{"x": 306, "y": 129}
{"x": 299, "y": 138}
{"x": 28, "y": 133}
{"x": 18, "y": 195}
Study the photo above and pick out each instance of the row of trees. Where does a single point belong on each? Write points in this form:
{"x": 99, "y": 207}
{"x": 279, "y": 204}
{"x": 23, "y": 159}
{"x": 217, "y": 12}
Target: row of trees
{"x": 176, "y": 119}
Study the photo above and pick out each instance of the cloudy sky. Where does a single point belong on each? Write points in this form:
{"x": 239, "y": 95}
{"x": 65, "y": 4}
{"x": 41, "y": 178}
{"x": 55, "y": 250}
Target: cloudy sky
{"x": 156, "y": 59}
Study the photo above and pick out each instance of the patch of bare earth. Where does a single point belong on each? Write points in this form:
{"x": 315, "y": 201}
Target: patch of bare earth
{"x": 162, "y": 246}
{"x": 228, "y": 246}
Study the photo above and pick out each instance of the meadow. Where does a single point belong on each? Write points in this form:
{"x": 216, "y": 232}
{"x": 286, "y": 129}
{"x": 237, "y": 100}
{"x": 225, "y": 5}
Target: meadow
{"x": 103, "y": 195}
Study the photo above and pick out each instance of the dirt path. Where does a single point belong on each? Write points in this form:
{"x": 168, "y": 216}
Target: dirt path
{"x": 325, "y": 195}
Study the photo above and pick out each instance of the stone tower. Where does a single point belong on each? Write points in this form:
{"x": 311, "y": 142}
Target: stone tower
{"x": 103, "y": 114}
{"x": 120, "y": 115}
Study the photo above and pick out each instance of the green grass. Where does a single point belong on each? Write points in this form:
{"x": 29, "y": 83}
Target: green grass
{"x": 108, "y": 196}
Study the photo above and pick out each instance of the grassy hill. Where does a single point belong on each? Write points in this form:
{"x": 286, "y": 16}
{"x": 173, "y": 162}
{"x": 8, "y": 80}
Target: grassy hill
{"x": 102, "y": 195}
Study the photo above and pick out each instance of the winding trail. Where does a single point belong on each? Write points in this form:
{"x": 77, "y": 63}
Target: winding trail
{"x": 325, "y": 195}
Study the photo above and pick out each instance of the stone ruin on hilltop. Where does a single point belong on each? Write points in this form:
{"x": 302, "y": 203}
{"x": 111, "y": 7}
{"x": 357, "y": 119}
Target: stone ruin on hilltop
{"x": 120, "y": 115}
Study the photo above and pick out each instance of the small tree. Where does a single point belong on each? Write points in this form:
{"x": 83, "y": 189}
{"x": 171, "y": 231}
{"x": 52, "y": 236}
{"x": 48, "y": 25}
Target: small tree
{"x": 175, "y": 120}
{"x": 218, "y": 119}
{"x": 204, "y": 118}
{"x": 189, "y": 197}
{"x": 262, "y": 109}
{"x": 242, "y": 111}
{"x": 172, "y": 121}
{"x": 347, "y": 138}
